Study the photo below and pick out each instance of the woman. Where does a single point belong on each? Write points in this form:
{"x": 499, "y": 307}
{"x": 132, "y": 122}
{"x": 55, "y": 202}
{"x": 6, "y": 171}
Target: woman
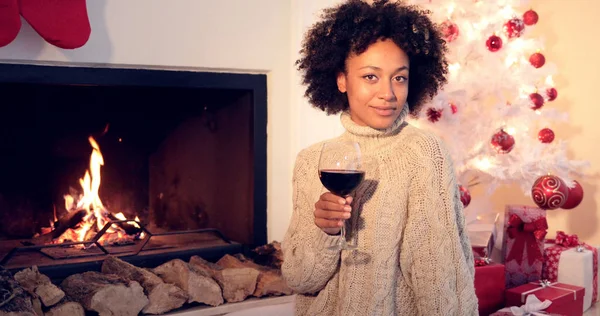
{"x": 375, "y": 64}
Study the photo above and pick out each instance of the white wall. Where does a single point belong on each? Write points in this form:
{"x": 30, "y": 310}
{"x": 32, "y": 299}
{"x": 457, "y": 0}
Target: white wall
{"x": 309, "y": 125}
{"x": 239, "y": 35}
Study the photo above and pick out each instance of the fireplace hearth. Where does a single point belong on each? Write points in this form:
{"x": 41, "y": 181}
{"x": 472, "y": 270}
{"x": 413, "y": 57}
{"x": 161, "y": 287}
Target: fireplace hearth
{"x": 147, "y": 166}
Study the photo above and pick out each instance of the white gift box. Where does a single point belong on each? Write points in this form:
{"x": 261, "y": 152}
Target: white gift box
{"x": 577, "y": 268}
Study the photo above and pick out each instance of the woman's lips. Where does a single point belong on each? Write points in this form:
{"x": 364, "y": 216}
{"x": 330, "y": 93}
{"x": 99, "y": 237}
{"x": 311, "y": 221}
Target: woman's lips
{"x": 384, "y": 110}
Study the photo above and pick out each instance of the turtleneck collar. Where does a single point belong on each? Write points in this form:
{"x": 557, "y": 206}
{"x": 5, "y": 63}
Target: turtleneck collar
{"x": 369, "y": 137}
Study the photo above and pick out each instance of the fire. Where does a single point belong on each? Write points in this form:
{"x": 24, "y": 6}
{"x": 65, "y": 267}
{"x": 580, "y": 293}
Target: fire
{"x": 97, "y": 216}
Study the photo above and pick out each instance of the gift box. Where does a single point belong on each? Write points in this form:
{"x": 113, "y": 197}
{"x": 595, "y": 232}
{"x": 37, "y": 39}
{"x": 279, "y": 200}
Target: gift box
{"x": 489, "y": 287}
{"x": 482, "y": 235}
{"x": 525, "y": 229}
{"x": 567, "y": 260}
{"x": 482, "y": 243}
{"x": 566, "y": 299}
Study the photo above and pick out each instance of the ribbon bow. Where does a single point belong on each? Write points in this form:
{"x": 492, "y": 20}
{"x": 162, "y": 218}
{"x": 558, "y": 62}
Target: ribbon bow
{"x": 544, "y": 283}
{"x": 533, "y": 306}
{"x": 480, "y": 262}
{"x": 526, "y": 236}
{"x": 566, "y": 240}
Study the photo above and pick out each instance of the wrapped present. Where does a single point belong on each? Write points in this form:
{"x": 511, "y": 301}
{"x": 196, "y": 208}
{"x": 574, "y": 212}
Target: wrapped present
{"x": 567, "y": 260}
{"x": 489, "y": 285}
{"x": 532, "y": 306}
{"x": 525, "y": 229}
{"x": 482, "y": 235}
{"x": 566, "y": 299}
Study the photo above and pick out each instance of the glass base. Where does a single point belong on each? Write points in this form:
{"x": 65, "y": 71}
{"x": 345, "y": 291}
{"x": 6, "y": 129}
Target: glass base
{"x": 343, "y": 245}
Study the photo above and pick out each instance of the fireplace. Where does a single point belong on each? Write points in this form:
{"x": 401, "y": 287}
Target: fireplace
{"x": 177, "y": 158}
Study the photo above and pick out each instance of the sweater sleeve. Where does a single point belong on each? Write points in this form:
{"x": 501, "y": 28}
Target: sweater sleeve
{"x": 436, "y": 257}
{"x": 309, "y": 260}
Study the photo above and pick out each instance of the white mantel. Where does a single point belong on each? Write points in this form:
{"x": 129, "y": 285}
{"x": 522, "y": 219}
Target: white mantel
{"x": 257, "y": 36}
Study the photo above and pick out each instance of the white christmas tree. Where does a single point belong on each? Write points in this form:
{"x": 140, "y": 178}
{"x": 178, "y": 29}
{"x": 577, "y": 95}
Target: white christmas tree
{"x": 496, "y": 114}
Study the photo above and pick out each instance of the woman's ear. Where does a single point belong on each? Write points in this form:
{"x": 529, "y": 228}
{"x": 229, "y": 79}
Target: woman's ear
{"x": 341, "y": 82}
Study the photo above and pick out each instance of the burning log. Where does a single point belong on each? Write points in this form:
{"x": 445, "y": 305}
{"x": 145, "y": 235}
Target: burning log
{"x": 270, "y": 281}
{"x": 163, "y": 296}
{"x": 199, "y": 286}
{"x": 14, "y": 300}
{"x": 236, "y": 283}
{"x": 129, "y": 229}
{"x": 39, "y": 286}
{"x": 106, "y": 294}
{"x": 67, "y": 221}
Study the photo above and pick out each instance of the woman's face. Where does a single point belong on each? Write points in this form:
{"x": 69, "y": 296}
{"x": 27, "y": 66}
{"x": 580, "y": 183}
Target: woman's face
{"x": 376, "y": 83}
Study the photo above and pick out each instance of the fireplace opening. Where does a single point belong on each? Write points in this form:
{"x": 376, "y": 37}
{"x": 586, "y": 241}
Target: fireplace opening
{"x": 171, "y": 151}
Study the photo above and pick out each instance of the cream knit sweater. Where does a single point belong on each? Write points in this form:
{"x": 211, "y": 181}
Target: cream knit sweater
{"x": 413, "y": 256}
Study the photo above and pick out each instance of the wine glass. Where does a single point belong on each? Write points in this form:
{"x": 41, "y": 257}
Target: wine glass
{"x": 340, "y": 172}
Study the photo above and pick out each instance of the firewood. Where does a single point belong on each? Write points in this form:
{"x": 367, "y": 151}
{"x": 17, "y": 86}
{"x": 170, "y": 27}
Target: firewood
{"x": 14, "y": 300}
{"x": 236, "y": 283}
{"x": 107, "y": 294}
{"x": 270, "y": 281}
{"x": 129, "y": 228}
{"x": 67, "y": 221}
{"x": 66, "y": 309}
{"x": 37, "y": 306}
{"x": 163, "y": 296}
{"x": 269, "y": 255}
{"x": 199, "y": 286}
{"x": 39, "y": 285}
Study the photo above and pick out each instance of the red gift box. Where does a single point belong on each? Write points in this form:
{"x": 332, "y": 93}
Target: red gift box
{"x": 566, "y": 299}
{"x": 525, "y": 229}
{"x": 489, "y": 287}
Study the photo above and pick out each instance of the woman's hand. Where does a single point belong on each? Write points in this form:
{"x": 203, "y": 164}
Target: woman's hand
{"x": 331, "y": 211}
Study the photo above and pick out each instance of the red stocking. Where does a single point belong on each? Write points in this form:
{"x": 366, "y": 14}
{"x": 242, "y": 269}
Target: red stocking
{"x": 10, "y": 21}
{"x": 62, "y": 23}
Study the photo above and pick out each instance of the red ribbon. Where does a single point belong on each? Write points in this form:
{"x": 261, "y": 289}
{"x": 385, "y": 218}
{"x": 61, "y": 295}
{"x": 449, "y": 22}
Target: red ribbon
{"x": 566, "y": 240}
{"x": 526, "y": 236}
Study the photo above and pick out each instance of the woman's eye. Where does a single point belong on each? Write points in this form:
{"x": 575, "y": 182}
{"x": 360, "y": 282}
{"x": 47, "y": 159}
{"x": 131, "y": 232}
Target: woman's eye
{"x": 400, "y": 78}
{"x": 370, "y": 77}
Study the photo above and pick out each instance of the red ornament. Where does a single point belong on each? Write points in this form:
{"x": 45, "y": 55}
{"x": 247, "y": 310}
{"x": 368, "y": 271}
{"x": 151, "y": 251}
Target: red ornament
{"x": 514, "y": 27}
{"x": 494, "y": 43}
{"x": 537, "y": 100}
{"x": 549, "y": 192}
{"x": 530, "y": 17}
{"x": 434, "y": 115}
{"x": 575, "y": 197}
{"x": 453, "y": 108}
{"x": 537, "y": 60}
{"x": 503, "y": 142}
{"x": 449, "y": 30}
{"x": 551, "y": 93}
{"x": 546, "y": 135}
{"x": 465, "y": 195}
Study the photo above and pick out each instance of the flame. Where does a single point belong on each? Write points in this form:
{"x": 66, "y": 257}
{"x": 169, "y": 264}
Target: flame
{"x": 97, "y": 216}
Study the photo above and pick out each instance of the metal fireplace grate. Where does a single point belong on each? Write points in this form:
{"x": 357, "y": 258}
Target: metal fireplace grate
{"x": 153, "y": 248}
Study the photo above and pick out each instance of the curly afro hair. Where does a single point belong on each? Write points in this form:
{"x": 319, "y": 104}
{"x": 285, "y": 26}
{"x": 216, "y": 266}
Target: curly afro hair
{"x": 351, "y": 28}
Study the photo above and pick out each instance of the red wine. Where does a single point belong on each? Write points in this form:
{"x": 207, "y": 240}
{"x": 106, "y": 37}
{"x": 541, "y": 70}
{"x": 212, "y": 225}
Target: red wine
{"x": 341, "y": 182}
